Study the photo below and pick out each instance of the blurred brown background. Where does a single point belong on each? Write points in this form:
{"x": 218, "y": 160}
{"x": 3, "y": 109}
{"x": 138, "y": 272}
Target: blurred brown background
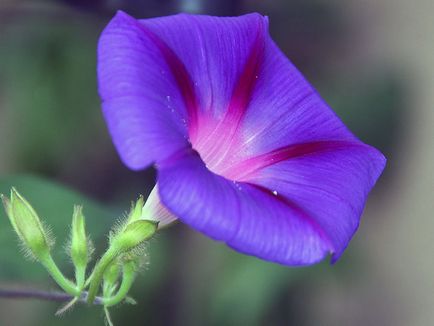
{"x": 373, "y": 62}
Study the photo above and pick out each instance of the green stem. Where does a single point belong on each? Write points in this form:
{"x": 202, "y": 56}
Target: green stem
{"x": 98, "y": 273}
{"x": 68, "y": 286}
{"x": 128, "y": 276}
{"x": 80, "y": 277}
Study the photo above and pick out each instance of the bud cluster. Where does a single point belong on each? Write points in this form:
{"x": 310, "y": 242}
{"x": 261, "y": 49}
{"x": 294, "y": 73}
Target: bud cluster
{"x": 115, "y": 271}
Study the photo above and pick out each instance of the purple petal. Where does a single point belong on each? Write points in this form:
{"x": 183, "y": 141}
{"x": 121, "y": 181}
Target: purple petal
{"x": 222, "y": 56}
{"x": 143, "y": 104}
{"x": 330, "y": 181}
{"x": 247, "y": 217}
{"x": 216, "y": 51}
{"x": 201, "y": 67}
{"x": 285, "y": 110}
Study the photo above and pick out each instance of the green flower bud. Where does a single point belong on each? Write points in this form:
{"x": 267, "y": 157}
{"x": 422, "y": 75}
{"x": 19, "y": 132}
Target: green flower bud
{"x": 133, "y": 235}
{"x": 27, "y": 225}
{"x": 79, "y": 243}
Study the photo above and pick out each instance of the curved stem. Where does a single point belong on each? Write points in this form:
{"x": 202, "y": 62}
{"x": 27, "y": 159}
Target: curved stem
{"x": 98, "y": 272}
{"x": 58, "y": 276}
{"x": 128, "y": 276}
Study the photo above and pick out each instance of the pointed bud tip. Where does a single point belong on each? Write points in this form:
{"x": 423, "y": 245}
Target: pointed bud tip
{"x": 136, "y": 210}
{"x": 78, "y": 209}
{"x": 78, "y": 220}
{"x": 15, "y": 193}
{"x": 4, "y": 198}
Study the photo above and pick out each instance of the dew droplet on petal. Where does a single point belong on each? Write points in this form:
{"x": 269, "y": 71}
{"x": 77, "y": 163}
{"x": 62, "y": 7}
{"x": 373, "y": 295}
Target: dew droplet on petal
{"x": 274, "y": 192}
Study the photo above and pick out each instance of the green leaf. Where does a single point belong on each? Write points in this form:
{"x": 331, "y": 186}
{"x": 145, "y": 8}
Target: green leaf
{"x": 54, "y": 204}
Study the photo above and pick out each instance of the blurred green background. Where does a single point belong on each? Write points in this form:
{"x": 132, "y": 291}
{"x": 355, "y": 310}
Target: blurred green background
{"x": 372, "y": 60}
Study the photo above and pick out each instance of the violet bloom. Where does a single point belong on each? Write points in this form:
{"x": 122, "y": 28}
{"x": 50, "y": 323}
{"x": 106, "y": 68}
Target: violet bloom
{"x": 246, "y": 150}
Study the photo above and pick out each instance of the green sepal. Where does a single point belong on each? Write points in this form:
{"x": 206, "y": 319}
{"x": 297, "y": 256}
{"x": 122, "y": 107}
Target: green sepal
{"x": 133, "y": 235}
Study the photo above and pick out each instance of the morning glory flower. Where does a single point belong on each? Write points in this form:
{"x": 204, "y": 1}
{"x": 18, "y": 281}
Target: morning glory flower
{"x": 246, "y": 150}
